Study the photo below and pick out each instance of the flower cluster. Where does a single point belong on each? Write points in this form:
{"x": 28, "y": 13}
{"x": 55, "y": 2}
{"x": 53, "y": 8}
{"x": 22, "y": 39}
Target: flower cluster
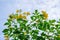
{"x": 18, "y": 16}
{"x": 45, "y": 14}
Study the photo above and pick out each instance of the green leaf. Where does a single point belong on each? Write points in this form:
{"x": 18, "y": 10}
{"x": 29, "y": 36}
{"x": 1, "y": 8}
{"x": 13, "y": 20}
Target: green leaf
{"x": 34, "y": 36}
{"x": 25, "y": 21}
{"x": 9, "y": 20}
{"x": 36, "y": 11}
{"x": 16, "y": 31}
{"x": 58, "y": 31}
{"x": 33, "y": 18}
{"x": 35, "y": 31}
{"x": 21, "y": 21}
{"x": 46, "y": 25}
{"x": 15, "y": 26}
{"x": 26, "y": 37}
{"x": 52, "y": 21}
{"x": 41, "y": 17}
{"x": 40, "y": 25}
{"x": 22, "y": 25}
{"x": 5, "y": 31}
{"x": 21, "y": 36}
{"x": 11, "y": 29}
{"x": 40, "y": 38}
{"x": 7, "y": 23}
{"x": 16, "y": 14}
{"x": 34, "y": 24}
{"x": 43, "y": 34}
{"x": 56, "y": 38}
{"x": 11, "y": 16}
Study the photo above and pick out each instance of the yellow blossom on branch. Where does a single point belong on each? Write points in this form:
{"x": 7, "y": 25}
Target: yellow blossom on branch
{"x": 6, "y": 37}
{"x": 20, "y": 16}
{"x": 27, "y": 13}
{"x": 24, "y": 17}
{"x": 17, "y": 11}
{"x": 45, "y": 14}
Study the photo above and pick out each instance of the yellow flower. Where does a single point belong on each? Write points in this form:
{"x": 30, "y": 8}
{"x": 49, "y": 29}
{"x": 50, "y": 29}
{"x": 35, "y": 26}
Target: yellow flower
{"x": 25, "y": 33}
{"x": 17, "y": 11}
{"x": 24, "y": 17}
{"x": 45, "y": 14}
{"x": 6, "y": 37}
{"x": 27, "y": 13}
{"x": 20, "y": 16}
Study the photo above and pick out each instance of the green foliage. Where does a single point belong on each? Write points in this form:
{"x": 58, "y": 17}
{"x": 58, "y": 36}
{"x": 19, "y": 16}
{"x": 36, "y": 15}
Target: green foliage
{"x": 25, "y": 31}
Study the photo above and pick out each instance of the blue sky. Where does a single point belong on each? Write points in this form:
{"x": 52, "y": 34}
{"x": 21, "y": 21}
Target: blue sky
{"x": 9, "y": 6}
